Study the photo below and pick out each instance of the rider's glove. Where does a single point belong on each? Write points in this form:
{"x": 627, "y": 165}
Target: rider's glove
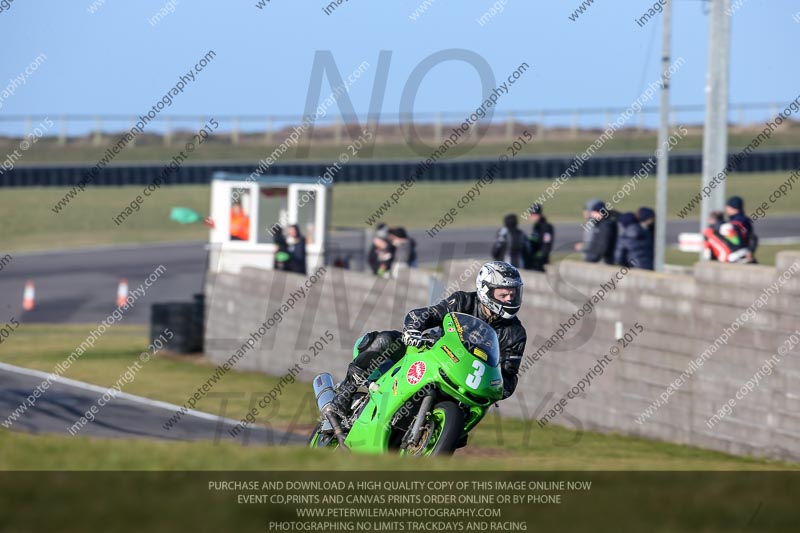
{"x": 413, "y": 337}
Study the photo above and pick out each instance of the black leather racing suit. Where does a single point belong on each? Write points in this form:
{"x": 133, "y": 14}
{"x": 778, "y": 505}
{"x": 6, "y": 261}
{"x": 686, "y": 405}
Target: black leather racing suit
{"x": 510, "y": 334}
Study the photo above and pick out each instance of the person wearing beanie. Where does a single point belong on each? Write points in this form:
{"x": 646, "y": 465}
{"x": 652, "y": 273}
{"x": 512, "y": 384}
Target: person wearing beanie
{"x": 540, "y": 241}
{"x": 603, "y": 238}
{"x": 742, "y": 223}
{"x": 647, "y": 219}
{"x": 510, "y": 245}
{"x": 634, "y": 247}
{"x": 736, "y": 203}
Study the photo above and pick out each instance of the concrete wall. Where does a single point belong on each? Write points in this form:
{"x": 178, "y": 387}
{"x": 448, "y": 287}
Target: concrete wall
{"x": 682, "y": 316}
{"x": 343, "y": 302}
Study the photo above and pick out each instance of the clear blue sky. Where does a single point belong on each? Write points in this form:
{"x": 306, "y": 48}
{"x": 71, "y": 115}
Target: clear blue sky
{"x": 114, "y": 61}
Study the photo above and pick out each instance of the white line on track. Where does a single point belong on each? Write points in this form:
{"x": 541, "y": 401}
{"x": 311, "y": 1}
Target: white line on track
{"x": 110, "y": 248}
{"x": 102, "y": 390}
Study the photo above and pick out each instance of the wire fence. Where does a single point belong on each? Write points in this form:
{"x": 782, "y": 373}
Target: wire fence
{"x": 429, "y": 127}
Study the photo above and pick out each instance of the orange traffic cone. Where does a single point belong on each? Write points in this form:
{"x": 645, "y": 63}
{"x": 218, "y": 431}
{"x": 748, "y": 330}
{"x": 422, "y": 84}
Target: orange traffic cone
{"x": 122, "y": 292}
{"x": 29, "y": 297}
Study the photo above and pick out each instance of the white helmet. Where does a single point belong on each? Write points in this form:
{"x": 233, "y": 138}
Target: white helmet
{"x": 499, "y": 275}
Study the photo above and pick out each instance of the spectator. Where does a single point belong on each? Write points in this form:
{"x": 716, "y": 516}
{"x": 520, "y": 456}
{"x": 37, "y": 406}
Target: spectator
{"x": 712, "y": 249}
{"x": 587, "y": 225}
{"x": 634, "y": 247}
{"x": 716, "y": 219}
{"x": 510, "y": 245}
{"x": 381, "y": 254}
{"x": 381, "y": 231}
{"x": 282, "y": 256}
{"x": 647, "y": 219}
{"x": 240, "y": 223}
{"x": 540, "y": 241}
{"x": 296, "y": 248}
{"x": 742, "y": 224}
{"x": 603, "y": 240}
{"x": 722, "y": 241}
{"x": 342, "y": 262}
{"x": 405, "y": 247}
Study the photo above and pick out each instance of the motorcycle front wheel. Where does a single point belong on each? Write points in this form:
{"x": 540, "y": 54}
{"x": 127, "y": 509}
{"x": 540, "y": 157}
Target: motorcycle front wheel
{"x": 318, "y": 440}
{"x": 440, "y": 433}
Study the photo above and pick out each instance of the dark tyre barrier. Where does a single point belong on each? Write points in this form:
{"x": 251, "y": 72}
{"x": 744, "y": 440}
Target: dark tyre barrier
{"x": 184, "y": 320}
{"x": 541, "y": 167}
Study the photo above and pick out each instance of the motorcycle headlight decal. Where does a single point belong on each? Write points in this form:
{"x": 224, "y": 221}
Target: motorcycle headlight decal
{"x": 450, "y": 354}
{"x": 477, "y": 352}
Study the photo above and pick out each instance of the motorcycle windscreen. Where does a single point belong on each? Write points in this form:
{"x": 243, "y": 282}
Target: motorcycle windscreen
{"x": 478, "y": 337}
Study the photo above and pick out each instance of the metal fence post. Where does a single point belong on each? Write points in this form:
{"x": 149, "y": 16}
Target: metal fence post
{"x": 542, "y": 126}
{"x": 235, "y": 131}
{"x": 337, "y": 131}
{"x": 268, "y": 133}
{"x": 62, "y": 131}
{"x": 575, "y": 121}
{"x": 167, "y": 131}
{"x": 133, "y": 121}
{"x": 97, "y": 138}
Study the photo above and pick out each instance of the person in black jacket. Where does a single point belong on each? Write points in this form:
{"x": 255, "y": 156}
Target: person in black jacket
{"x": 496, "y": 301}
{"x": 634, "y": 246}
{"x": 510, "y": 245}
{"x": 647, "y": 219}
{"x": 603, "y": 240}
{"x": 743, "y": 225}
{"x": 282, "y": 256}
{"x": 381, "y": 253}
{"x": 405, "y": 246}
{"x": 296, "y": 248}
{"x": 540, "y": 241}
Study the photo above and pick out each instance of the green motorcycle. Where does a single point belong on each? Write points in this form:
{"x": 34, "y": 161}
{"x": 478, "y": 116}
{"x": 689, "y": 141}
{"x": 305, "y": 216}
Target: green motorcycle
{"x": 426, "y": 403}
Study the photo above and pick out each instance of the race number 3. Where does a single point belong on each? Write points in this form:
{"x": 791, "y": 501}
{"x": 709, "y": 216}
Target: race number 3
{"x": 474, "y": 379}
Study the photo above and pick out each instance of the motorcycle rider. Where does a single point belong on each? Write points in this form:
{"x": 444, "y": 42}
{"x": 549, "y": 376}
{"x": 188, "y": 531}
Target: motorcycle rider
{"x": 496, "y": 301}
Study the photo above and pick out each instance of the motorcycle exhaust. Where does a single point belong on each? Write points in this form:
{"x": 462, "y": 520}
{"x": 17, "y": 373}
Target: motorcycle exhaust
{"x": 324, "y": 392}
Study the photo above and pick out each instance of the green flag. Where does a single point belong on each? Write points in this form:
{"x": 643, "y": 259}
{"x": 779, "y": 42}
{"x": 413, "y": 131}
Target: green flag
{"x": 184, "y": 215}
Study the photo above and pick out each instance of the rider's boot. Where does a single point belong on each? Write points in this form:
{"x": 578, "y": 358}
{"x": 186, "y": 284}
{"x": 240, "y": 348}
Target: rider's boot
{"x": 355, "y": 378}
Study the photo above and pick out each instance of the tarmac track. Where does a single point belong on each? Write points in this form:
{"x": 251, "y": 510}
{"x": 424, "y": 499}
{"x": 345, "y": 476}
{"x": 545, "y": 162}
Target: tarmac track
{"x": 65, "y": 401}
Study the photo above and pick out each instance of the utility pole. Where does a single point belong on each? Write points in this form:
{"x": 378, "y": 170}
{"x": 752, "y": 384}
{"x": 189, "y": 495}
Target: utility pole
{"x": 715, "y": 133}
{"x": 662, "y": 152}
